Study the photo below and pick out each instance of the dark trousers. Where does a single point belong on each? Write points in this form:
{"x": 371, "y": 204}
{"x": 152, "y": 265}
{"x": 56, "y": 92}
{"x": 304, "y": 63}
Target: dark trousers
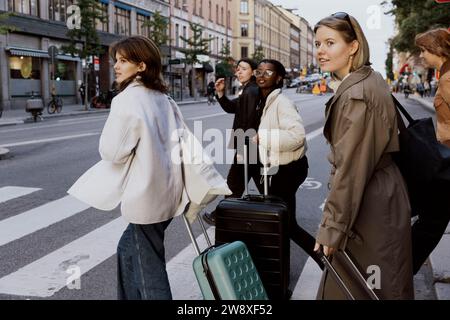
{"x": 428, "y": 230}
{"x": 284, "y": 184}
{"x": 141, "y": 264}
{"x": 236, "y": 180}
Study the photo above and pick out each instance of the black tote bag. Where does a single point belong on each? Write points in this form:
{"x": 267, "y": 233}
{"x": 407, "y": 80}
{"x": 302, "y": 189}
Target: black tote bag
{"x": 422, "y": 159}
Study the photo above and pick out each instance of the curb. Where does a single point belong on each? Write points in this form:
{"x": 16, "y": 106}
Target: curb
{"x": 21, "y": 120}
{"x": 5, "y": 123}
{"x": 3, "y": 153}
{"x": 182, "y": 103}
{"x": 60, "y": 115}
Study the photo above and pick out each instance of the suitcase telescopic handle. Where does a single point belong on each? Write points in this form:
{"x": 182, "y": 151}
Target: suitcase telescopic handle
{"x": 337, "y": 278}
{"x": 246, "y": 165}
{"x": 191, "y": 234}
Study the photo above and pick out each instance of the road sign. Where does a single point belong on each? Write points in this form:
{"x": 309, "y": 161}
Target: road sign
{"x": 96, "y": 64}
{"x": 52, "y": 52}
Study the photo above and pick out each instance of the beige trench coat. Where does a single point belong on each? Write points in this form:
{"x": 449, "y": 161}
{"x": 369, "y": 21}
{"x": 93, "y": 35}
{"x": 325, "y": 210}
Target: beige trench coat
{"x": 367, "y": 211}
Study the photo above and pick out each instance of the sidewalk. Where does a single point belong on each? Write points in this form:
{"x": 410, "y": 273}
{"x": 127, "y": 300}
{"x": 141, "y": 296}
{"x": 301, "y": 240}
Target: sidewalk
{"x": 19, "y": 116}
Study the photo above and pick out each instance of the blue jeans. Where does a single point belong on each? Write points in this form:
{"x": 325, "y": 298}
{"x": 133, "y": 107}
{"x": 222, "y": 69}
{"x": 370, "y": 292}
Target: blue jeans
{"x": 141, "y": 264}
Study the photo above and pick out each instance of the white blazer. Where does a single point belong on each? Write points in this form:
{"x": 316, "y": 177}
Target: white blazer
{"x": 136, "y": 169}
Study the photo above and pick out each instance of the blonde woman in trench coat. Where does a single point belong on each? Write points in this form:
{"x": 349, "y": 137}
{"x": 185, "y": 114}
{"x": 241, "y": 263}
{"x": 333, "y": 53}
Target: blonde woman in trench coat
{"x": 367, "y": 211}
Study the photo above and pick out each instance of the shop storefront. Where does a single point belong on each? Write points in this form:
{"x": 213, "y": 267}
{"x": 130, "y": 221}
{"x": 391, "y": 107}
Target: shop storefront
{"x": 31, "y": 74}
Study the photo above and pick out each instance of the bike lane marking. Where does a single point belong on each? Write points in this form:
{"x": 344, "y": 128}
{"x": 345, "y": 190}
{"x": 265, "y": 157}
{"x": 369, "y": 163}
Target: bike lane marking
{"x": 9, "y": 192}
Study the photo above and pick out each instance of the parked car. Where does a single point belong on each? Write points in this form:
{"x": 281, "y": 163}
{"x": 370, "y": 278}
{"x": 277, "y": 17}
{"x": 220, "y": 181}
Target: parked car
{"x": 294, "y": 83}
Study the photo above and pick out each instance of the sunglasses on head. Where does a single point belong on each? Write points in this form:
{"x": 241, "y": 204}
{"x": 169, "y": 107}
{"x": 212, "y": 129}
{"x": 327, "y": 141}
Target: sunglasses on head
{"x": 346, "y": 17}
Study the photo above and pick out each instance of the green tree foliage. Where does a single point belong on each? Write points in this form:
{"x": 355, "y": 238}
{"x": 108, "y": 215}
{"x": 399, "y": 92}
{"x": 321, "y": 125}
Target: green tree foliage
{"x": 87, "y": 34}
{"x": 4, "y": 28}
{"x": 416, "y": 16}
{"x": 197, "y": 45}
{"x": 389, "y": 63}
{"x": 258, "y": 55}
{"x": 225, "y": 68}
{"x": 158, "y": 28}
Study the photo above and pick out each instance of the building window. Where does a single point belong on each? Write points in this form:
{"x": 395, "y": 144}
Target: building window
{"x": 217, "y": 13}
{"x": 210, "y": 10}
{"x": 143, "y": 27}
{"x": 228, "y": 19}
{"x": 123, "y": 22}
{"x": 185, "y": 6}
{"x": 65, "y": 70}
{"x": 244, "y": 52}
{"x": 244, "y": 6}
{"x": 103, "y": 11}
{"x": 177, "y": 35}
{"x": 244, "y": 29}
{"x": 184, "y": 36}
{"x": 211, "y": 42}
{"x": 58, "y": 9}
{"x": 194, "y": 10}
{"x": 221, "y": 16}
{"x": 25, "y": 68}
{"x": 24, "y": 6}
{"x": 200, "y": 9}
{"x": 177, "y": 3}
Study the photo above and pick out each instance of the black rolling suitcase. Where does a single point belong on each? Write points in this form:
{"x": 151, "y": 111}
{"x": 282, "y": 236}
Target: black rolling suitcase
{"x": 261, "y": 222}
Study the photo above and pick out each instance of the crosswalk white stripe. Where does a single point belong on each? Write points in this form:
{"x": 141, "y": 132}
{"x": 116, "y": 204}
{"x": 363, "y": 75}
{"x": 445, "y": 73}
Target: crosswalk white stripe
{"x": 11, "y": 192}
{"x": 308, "y": 283}
{"x": 23, "y": 143}
{"x": 207, "y": 116}
{"x": 48, "y": 275}
{"x": 314, "y": 134}
{"x": 38, "y": 218}
{"x": 181, "y": 274}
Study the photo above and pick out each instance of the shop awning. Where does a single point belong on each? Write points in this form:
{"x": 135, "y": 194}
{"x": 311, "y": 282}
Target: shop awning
{"x": 27, "y": 52}
{"x": 16, "y": 51}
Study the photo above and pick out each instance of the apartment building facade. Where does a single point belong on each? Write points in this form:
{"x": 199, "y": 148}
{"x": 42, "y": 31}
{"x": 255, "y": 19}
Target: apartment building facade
{"x": 259, "y": 23}
{"x": 24, "y": 60}
{"x": 214, "y": 16}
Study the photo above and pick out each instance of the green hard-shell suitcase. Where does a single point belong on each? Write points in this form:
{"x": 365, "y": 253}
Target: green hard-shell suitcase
{"x": 226, "y": 272}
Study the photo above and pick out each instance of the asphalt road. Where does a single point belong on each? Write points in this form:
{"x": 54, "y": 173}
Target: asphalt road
{"x": 41, "y": 229}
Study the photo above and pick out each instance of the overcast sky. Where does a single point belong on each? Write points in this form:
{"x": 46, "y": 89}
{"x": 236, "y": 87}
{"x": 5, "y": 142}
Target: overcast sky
{"x": 377, "y": 26}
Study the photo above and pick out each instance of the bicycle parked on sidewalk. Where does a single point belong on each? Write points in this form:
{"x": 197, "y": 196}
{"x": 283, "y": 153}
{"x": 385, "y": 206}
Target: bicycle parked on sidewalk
{"x": 55, "y": 104}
